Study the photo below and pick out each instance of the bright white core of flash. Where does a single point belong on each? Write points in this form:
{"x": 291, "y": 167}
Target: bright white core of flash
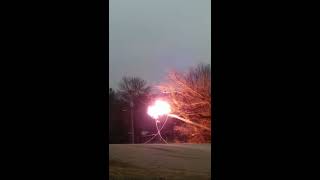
{"x": 158, "y": 109}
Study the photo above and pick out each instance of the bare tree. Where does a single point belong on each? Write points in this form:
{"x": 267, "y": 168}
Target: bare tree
{"x": 134, "y": 92}
{"x": 190, "y": 96}
{"x": 133, "y": 87}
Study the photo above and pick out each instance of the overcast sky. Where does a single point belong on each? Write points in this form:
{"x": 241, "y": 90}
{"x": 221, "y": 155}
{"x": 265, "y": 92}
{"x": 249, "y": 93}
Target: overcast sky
{"x": 149, "y": 37}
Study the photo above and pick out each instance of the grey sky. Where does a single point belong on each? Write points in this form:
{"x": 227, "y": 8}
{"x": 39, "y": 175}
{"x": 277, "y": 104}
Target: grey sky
{"x": 149, "y": 37}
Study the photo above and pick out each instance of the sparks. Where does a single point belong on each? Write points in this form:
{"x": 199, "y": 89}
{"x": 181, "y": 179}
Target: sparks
{"x": 158, "y": 109}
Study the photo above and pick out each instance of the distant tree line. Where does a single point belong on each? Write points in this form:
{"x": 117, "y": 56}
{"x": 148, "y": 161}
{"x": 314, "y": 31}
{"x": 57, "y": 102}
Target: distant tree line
{"x": 189, "y": 95}
{"x": 130, "y": 89}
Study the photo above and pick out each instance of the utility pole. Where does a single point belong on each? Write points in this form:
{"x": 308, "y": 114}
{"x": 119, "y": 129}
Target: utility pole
{"x": 132, "y": 125}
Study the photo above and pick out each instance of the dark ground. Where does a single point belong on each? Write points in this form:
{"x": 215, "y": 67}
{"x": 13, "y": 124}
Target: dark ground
{"x": 160, "y": 161}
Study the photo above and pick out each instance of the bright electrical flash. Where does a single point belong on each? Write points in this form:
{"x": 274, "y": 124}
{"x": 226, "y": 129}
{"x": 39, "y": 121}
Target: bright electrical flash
{"x": 158, "y": 109}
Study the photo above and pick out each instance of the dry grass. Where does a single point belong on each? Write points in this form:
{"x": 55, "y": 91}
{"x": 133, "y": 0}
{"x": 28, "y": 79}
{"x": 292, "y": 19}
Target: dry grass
{"x": 157, "y": 162}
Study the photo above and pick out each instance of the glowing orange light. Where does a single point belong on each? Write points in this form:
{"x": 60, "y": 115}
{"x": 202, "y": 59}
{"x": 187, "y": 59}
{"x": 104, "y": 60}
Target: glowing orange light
{"x": 158, "y": 109}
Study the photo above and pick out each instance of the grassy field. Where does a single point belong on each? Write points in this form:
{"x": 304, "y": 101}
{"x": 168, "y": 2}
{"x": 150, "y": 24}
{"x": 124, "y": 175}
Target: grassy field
{"x": 160, "y": 161}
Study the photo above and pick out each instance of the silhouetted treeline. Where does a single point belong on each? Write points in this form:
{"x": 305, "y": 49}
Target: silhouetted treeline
{"x": 189, "y": 94}
{"x": 135, "y": 90}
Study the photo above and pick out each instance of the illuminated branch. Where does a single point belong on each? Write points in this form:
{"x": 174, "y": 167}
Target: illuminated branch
{"x": 190, "y": 122}
{"x": 190, "y": 98}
